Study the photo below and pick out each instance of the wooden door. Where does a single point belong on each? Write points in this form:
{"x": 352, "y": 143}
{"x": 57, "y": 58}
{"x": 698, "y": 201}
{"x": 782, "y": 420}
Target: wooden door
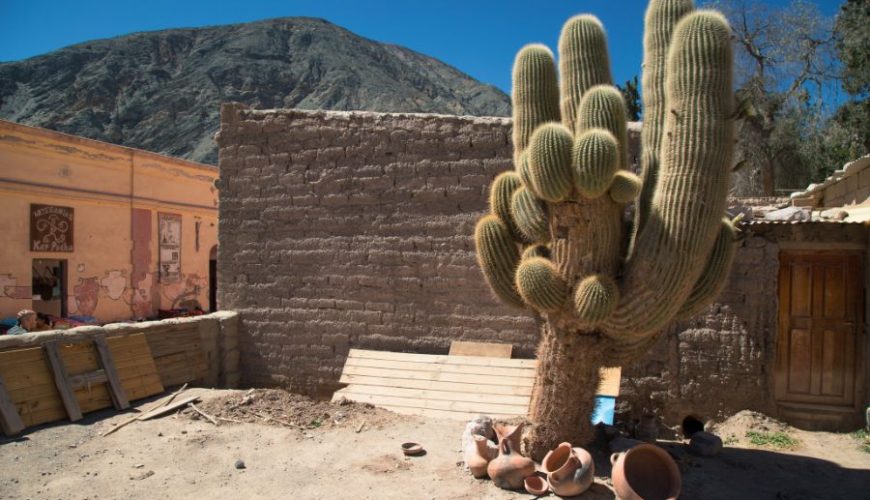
{"x": 820, "y": 314}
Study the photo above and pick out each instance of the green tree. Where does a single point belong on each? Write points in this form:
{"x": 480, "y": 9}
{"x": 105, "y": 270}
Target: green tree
{"x": 631, "y": 95}
{"x": 785, "y": 65}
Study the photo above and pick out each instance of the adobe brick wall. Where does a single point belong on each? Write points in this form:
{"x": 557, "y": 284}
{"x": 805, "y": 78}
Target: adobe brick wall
{"x": 341, "y": 230}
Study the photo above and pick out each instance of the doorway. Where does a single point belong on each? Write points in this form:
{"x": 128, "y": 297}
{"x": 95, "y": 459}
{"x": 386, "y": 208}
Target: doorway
{"x": 212, "y": 279}
{"x": 819, "y": 349}
{"x": 49, "y": 287}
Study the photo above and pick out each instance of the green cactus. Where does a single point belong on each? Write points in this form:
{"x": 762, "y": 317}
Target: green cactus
{"x": 535, "y": 95}
{"x": 625, "y": 187}
{"x": 627, "y": 286}
{"x": 500, "y": 194}
{"x": 604, "y": 107}
{"x": 661, "y": 18}
{"x": 498, "y": 256}
{"x": 549, "y": 162}
{"x": 540, "y": 285}
{"x": 583, "y": 63}
{"x": 596, "y": 160}
{"x": 595, "y": 298}
{"x": 715, "y": 273}
{"x": 530, "y": 216}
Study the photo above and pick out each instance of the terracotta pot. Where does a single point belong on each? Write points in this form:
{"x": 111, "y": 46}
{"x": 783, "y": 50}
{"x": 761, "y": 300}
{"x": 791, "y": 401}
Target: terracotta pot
{"x": 645, "y": 472}
{"x": 536, "y": 485}
{"x": 509, "y": 470}
{"x": 570, "y": 471}
{"x": 478, "y": 454}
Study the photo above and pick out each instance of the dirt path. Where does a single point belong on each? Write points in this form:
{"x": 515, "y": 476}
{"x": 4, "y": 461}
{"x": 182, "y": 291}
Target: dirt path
{"x": 181, "y": 457}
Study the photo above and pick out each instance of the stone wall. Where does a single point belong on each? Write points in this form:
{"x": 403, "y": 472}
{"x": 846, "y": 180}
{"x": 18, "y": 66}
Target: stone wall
{"x": 342, "y": 230}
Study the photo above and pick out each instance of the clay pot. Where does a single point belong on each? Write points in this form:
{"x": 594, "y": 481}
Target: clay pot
{"x": 509, "y": 469}
{"x": 570, "y": 471}
{"x": 536, "y": 485}
{"x": 478, "y": 454}
{"x": 645, "y": 472}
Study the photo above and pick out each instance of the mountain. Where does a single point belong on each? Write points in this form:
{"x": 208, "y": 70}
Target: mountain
{"x": 161, "y": 91}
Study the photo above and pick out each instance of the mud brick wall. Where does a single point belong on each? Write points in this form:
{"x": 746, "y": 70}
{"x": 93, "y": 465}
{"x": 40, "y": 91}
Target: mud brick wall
{"x": 342, "y": 230}
{"x": 353, "y": 230}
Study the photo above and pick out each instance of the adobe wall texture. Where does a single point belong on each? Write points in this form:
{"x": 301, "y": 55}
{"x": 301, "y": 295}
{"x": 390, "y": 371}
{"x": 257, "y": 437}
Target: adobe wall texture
{"x": 341, "y": 230}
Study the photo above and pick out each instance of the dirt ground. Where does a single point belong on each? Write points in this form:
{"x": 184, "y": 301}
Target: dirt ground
{"x": 295, "y": 448}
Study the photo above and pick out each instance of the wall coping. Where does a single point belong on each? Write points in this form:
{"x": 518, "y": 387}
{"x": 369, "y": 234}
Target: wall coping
{"x": 36, "y": 339}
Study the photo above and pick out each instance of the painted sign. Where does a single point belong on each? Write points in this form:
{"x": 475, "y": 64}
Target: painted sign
{"x": 51, "y": 228}
{"x": 170, "y": 247}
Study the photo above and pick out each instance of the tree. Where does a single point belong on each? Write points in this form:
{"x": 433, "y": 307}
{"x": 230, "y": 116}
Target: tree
{"x": 786, "y": 67}
{"x": 631, "y": 95}
{"x": 605, "y": 293}
{"x": 853, "y": 45}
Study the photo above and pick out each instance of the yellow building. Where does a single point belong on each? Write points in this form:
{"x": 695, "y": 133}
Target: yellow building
{"x": 97, "y": 230}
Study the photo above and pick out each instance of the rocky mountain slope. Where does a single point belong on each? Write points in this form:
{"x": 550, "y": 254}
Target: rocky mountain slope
{"x": 161, "y": 91}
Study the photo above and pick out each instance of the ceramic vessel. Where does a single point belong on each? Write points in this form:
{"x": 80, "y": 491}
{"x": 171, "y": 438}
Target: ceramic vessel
{"x": 570, "y": 471}
{"x": 645, "y": 472}
{"x": 536, "y": 485}
{"x": 509, "y": 469}
{"x": 478, "y": 454}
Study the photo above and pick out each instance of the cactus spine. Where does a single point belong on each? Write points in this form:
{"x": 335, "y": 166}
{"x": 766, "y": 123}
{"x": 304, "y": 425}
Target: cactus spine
{"x": 569, "y": 193}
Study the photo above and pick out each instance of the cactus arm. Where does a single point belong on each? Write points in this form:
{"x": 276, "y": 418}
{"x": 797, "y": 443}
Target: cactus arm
{"x": 535, "y": 94}
{"x": 530, "y": 216}
{"x": 503, "y": 188}
{"x": 583, "y": 63}
{"x": 498, "y": 256}
{"x": 689, "y": 198}
{"x": 715, "y": 274}
{"x": 625, "y": 187}
{"x": 596, "y": 160}
{"x": 549, "y": 162}
{"x": 659, "y": 22}
{"x": 540, "y": 285}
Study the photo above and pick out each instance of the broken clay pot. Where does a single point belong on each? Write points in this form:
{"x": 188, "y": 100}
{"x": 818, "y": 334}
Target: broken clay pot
{"x": 570, "y": 471}
{"x": 478, "y": 454}
{"x": 509, "y": 469}
{"x": 536, "y": 485}
{"x": 645, "y": 472}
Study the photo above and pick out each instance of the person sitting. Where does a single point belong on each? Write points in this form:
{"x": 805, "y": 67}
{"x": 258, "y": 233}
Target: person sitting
{"x": 26, "y": 322}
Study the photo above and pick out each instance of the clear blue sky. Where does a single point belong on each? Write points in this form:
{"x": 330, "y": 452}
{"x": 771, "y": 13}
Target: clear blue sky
{"x": 478, "y": 37}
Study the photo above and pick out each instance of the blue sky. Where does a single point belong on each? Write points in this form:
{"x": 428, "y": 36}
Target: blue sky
{"x": 478, "y": 37}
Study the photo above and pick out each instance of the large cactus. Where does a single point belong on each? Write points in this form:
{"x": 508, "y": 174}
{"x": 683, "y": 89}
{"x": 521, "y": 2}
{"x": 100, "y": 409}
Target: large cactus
{"x": 556, "y": 241}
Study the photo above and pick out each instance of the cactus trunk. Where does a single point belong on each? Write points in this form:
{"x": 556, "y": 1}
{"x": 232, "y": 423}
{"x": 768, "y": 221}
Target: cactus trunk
{"x": 564, "y": 392}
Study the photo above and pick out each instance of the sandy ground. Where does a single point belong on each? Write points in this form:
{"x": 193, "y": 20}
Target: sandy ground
{"x": 315, "y": 452}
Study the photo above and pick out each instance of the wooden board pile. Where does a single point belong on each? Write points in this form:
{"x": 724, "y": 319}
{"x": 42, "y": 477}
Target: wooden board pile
{"x": 474, "y": 379}
{"x": 64, "y": 380}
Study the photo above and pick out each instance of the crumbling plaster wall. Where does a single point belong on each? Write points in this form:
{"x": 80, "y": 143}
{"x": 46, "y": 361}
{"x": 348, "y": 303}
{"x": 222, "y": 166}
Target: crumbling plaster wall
{"x": 354, "y": 229}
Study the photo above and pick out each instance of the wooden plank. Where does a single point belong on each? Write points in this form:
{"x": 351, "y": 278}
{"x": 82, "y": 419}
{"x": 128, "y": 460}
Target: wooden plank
{"x": 439, "y": 358}
{"x": 490, "y": 350}
{"x": 464, "y": 406}
{"x": 518, "y": 372}
{"x": 609, "y": 381}
{"x": 10, "y": 421}
{"x": 88, "y": 379}
{"x": 472, "y": 396}
{"x": 61, "y": 380}
{"x": 444, "y": 414}
{"x": 437, "y": 375}
{"x": 119, "y": 397}
{"x": 434, "y": 385}
{"x": 168, "y": 408}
